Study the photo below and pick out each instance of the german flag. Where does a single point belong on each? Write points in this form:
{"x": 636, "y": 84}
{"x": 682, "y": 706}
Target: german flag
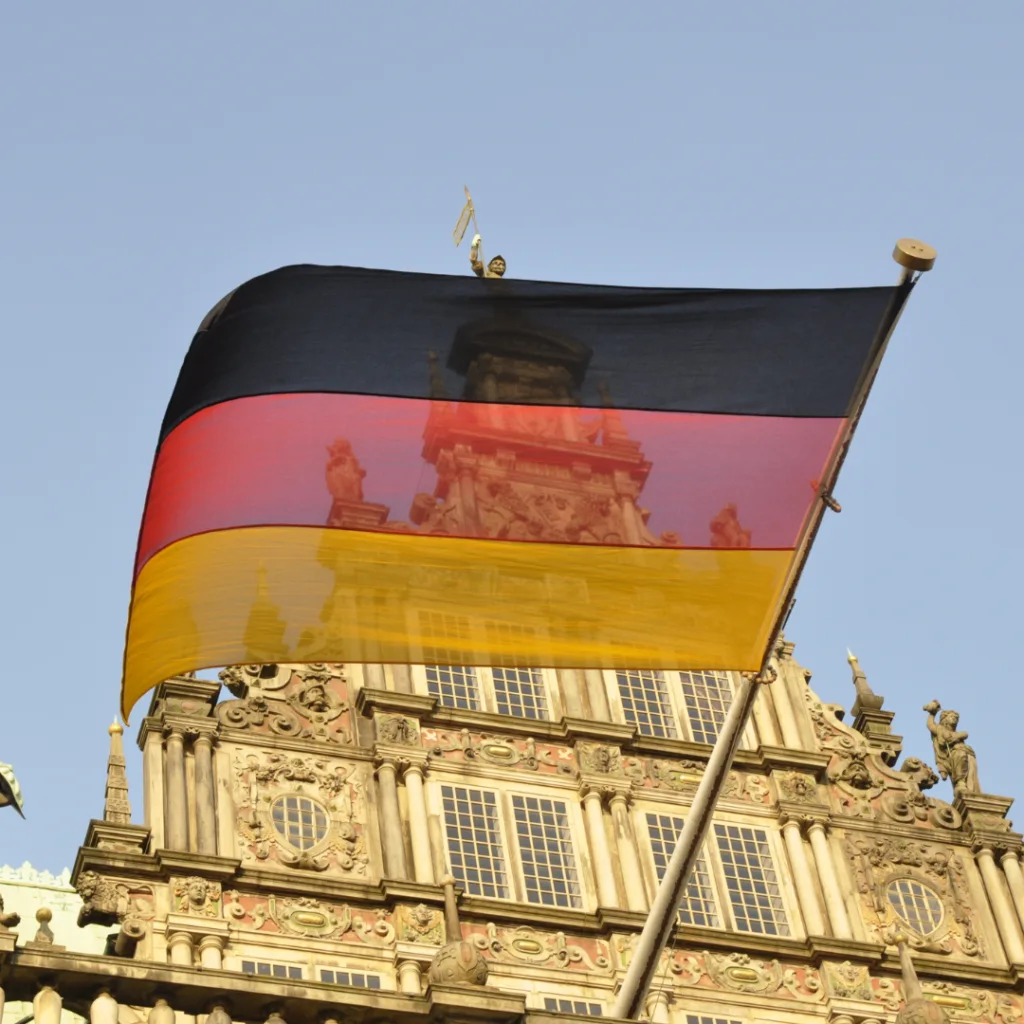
{"x": 370, "y": 466}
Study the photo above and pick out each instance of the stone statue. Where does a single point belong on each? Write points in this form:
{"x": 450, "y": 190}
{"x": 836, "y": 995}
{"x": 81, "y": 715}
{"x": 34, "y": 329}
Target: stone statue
{"x": 344, "y": 475}
{"x": 496, "y": 267}
{"x": 8, "y": 919}
{"x": 10, "y": 791}
{"x": 955, "y": 760}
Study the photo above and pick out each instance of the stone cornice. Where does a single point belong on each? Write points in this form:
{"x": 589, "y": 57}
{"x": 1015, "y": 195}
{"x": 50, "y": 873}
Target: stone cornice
{"x": 105, "y": 835}
{"x": 314, "y": 748}
{"x": 178, "y": 862}
{"x": 370, "y": 699}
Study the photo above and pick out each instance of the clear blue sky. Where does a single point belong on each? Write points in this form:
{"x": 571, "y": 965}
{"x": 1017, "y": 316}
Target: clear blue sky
{"x": 157, "y": 155}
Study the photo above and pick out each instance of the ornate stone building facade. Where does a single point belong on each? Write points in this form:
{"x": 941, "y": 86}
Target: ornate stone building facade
{"x": 430, "y": 842}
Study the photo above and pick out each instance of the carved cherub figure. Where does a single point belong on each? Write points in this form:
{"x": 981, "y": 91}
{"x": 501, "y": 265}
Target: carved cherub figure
{"x": 955, "y": 760}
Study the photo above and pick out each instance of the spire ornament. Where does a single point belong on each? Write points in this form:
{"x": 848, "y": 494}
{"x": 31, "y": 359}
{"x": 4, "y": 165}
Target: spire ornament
{"x": 917, "y": 1009}
{"x": 116, "y": 808}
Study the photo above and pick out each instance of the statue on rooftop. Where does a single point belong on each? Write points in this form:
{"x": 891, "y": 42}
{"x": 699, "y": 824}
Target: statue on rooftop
{"x": 955, "y": 760}
{"x": 10, "y": 791}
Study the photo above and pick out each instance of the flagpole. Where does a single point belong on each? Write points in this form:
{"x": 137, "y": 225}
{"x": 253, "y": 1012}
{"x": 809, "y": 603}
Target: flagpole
{"x": 914, "y": 258}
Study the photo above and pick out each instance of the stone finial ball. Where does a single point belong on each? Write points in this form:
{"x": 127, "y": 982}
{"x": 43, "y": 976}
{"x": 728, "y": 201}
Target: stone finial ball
{"x": 44, "y": 915}
{"x": 458, "y": 963}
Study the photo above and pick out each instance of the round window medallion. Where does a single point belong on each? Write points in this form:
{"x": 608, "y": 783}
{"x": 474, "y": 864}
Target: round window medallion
{"x": 917, "y": 905}
{"x": 299, "y": 821}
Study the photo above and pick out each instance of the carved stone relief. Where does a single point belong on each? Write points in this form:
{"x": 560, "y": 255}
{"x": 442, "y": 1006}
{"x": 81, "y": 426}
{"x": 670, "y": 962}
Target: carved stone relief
{"x": 107, "y": 901}
{"x": 399, "y": 730}
{"x": 541, "y": 949}
{"x": 419, "y": 924}
{"x": 311, "y": 918}
{"x": 503, "y": 752}
{"x": 195, "y": 895}
{"x": 310, "y": 703}
{"x": 888, "y": 872}
{"x": 332, "y": 836}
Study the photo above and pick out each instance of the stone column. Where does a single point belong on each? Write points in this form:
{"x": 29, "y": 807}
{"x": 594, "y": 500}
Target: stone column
{"x": 1002, "y": 909}
{"x": 161, "y": 1013}
{"x": 784, "y": 712}
{"x": 763, "y": 719}
{"x": 829, "y": 881}
{"x": 373, "y": 676}
{"x": 179, "y": 948}
{"x": 607, "y": 895}
{"x": 597, "y": 695}
{"x": 802, "y": 876}
{"x": 572, "y": 702}
{"x": 629, "y": 861}
{"x": 403, "y": 678}
{"x": 419, "y": 830}
{"x": 46, "y": 1006}
{"x": 206, "y": 813}
{"x": 103, "y": 1009}
{"x": 657, "y": 1007}
{"x": 1015, "y": 880}
{"x": 409, "y": 978}
{"x": 391, "y": 819}
{"x": 211, "y": 949}
{"x": 177, "y": 793}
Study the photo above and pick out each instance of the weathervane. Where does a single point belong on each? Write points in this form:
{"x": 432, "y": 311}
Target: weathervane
{"x": 496, "y": 267}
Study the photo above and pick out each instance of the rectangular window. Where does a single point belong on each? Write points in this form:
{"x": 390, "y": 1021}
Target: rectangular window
{"x": 698, "y": 903}
{"x": 706, "y": 696}
{"x": 440, "y": 628}
{"x": 751, "y": 880}
{"x": 577, "y": 1006}
{"x": 692, "y": 1018}
{"x": 357, "y": 978}
{"x": 545, "y": 846}
{"x": 645, "y": 702}
{"x": 520, "y": 692}
{"x": 454, "y": 686}
{"x": 268, "y": 970}
{"x": 474, "y": 841}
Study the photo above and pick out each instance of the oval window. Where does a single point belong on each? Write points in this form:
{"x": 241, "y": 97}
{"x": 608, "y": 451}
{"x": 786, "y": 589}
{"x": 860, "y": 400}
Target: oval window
{"x": 299, "y": 821}
{"x": 917, "y": 905}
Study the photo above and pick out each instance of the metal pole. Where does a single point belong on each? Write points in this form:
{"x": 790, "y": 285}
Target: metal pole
{"x": 661, "y": 920}
{"x": 912, "y": 256}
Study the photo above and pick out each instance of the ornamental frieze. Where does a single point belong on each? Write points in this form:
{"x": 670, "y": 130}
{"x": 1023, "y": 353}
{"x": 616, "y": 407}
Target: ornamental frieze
{"x": 734, "y": 972}
{"x": 298, "y": 812}
{"x": 500, "y": 751}
{"x": 309, "y": 703}
{"x": 526, "y": 945}
{"x": 397, "y": 730}
{"x": 310, "y": 918}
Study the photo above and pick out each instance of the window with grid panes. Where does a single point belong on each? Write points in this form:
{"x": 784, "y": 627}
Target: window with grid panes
{"x": 299, "y": 821}
{"x": 918, "y": 905}
{"x": 545, "y": 849}
{"x": 577, "y": 1006}
{"x": 706, "y": 697}
{"x": 438, "y": 629}
{"x": 264, "y": 969}
{"x": 645, "y": 702}
{"x": 692, "y": 1018}
{"x": 474, "y": 841}
{"x": 751, "y": 881}
{"x": 454, "y": 686}
{"x": 519, "y": 692}
{"x": 698, "y": 903}
{"x": 360, "y": 979}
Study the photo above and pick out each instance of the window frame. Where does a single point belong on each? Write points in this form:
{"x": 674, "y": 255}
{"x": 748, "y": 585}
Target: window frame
{"x": 677, "y": 704}
{"x": 712, "y": 855}
{"x": 379, "y": 987}
{"x": 509, "y": 837}
{"x": 287, "y": 965}
{"x": 487, "y": 692}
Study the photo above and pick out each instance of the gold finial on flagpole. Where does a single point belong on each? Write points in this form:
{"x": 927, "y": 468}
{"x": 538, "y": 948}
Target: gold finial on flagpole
{"x": 496, "y": 267}
{"x": 914, "y": 255}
